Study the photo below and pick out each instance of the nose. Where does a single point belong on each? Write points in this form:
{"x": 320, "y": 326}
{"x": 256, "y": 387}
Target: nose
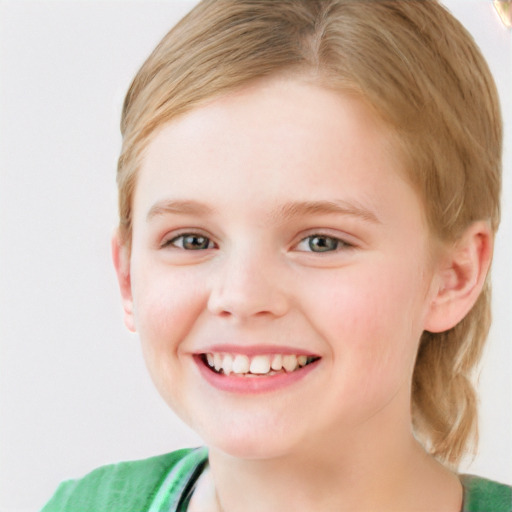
{"x": 248, "y": 286}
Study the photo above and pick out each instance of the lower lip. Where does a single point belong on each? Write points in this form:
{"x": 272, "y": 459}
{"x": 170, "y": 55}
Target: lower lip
{"x": 253, "y": 385}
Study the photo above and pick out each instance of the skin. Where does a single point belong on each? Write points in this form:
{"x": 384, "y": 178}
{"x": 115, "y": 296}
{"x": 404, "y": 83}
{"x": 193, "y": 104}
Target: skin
{"x": 340, "y": 437}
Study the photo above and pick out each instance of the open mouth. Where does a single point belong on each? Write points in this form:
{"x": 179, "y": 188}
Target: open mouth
{"x": 255, "y": 366}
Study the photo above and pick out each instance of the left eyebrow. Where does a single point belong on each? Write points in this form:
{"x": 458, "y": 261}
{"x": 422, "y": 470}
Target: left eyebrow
{"x": 170, "y": 206}
{"x": 339, "y": 207}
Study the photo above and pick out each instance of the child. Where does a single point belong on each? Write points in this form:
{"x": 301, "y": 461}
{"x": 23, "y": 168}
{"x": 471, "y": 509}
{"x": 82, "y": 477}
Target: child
{"x": 309, "y": 192}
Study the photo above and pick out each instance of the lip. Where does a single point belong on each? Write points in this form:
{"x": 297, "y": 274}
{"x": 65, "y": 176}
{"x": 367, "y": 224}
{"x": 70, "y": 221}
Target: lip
{"x": 254, "y": 350}
{"x": 233, "y": 383}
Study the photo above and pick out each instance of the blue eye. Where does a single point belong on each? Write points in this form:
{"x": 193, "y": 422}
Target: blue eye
{"x": 321, "y": 243}
{"x": 191, "y": 242}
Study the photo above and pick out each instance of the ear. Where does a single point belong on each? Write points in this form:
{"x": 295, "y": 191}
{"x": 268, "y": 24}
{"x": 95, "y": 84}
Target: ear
{"x": 121, "y": 258}
{"x": 460, "y": 277}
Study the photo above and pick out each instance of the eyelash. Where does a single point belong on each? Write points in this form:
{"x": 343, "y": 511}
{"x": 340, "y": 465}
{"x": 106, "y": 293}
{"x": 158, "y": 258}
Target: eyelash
{"x": 333, "y": 244}
{"x": 183, "y": 236}
{"x": 330, "y": 243}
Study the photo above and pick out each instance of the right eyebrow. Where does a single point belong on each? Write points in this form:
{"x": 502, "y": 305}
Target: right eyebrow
{"x": 339, "y": 207}
{"x": 173, "y": 206}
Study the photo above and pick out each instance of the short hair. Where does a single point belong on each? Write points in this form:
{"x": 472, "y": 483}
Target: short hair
{"x": 423, "y": 74}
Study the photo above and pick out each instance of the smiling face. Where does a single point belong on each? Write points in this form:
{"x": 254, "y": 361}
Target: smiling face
{"x": 279, "y": 275}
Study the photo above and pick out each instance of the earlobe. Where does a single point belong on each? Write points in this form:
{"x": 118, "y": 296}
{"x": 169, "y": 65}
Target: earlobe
{"x": 121, "y": 259}
{"x": 460, "y": 278}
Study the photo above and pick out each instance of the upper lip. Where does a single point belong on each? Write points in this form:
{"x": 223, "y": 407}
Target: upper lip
{"x": 254, "y": 350}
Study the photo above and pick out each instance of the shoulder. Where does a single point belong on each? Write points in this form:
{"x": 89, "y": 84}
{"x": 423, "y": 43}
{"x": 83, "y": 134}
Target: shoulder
{"x": 482, "y": 495}
{"x": 126, "y": 486}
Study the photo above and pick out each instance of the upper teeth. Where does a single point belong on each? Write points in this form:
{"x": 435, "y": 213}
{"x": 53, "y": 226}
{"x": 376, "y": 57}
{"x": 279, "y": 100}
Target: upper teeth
{"x": 256, "y": 365}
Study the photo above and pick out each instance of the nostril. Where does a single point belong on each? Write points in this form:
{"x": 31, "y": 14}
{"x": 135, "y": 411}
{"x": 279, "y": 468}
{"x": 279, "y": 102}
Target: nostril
{"x": 246, "y": 294}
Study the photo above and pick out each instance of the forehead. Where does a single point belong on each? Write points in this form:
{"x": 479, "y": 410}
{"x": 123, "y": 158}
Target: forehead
{"x": 277, "y": 140}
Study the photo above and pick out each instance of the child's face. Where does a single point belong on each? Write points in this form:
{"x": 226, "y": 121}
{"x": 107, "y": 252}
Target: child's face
{"x": 275, "y": 221}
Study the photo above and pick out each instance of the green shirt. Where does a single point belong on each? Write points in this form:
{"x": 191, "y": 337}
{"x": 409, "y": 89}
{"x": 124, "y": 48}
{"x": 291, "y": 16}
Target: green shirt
{"x": 165, "y": 483}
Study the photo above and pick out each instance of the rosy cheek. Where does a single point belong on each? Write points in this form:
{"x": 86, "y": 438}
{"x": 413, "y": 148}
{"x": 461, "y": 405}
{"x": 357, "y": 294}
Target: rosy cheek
{"x": 355, "y": 311}
{"x": 167, "y": 308}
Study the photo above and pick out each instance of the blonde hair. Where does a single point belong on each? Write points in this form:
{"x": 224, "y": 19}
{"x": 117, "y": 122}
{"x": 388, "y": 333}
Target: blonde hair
{"x": 426, "y": 78}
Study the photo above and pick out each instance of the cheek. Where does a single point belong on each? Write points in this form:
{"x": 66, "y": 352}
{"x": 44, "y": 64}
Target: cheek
{"x": 372, "y": 319}
{"x": 166, "y": 305}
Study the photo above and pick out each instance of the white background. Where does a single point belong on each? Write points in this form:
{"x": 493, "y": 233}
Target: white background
{"x": 74, "y": 393}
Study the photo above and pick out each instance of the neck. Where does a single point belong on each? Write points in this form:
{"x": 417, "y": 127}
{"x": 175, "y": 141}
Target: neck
{"x": 382, "y": 472}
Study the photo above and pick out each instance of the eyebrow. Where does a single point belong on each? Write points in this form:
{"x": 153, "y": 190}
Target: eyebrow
{"x": 338, "y": 207}
{"x": 183, "y": 207}
{"x": 284, "y": 213}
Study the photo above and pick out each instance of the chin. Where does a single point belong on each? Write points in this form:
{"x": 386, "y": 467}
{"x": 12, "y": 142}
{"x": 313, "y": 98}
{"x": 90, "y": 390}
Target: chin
{"x": 250, "y": 444}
